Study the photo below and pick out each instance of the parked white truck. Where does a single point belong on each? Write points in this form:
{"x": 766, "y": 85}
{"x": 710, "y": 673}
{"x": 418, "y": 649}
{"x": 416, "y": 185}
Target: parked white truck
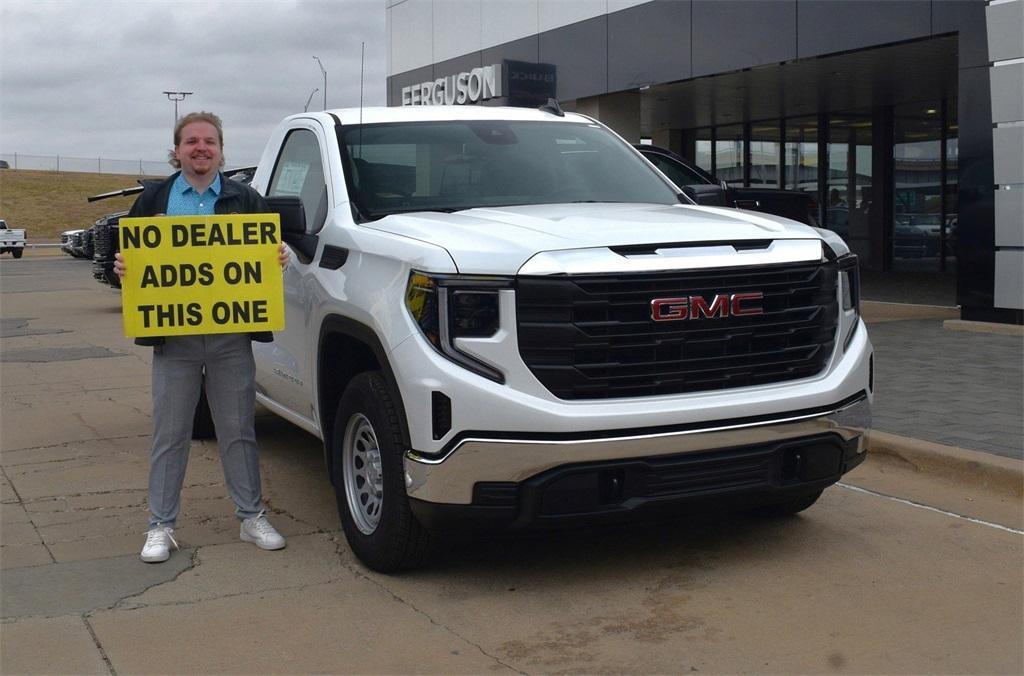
{"x": 11, "y": 240}
{"x": 505, "y": 318}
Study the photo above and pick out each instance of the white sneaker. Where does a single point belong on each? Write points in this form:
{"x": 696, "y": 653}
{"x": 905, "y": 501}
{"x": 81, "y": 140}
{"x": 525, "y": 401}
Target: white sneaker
{"x": 258, "y": 531}
{"x": 158, "y": 544}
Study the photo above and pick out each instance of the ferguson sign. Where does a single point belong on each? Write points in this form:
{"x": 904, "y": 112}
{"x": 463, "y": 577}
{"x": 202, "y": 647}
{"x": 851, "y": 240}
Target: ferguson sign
{"x": 478, "y": 84}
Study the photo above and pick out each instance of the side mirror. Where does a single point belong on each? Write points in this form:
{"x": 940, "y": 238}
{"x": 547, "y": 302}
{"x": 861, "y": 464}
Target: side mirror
{"x": 293, "y": 225}
{"x": 706, "y": 195}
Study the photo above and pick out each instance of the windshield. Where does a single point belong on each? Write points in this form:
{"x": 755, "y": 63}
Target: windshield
{"x": 450, "y": 166}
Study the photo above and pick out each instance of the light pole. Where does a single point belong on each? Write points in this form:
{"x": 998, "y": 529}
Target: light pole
{"x": 176, "y": 96}
{"x": 324, "y": 71}
{"x": 306, "y": 107}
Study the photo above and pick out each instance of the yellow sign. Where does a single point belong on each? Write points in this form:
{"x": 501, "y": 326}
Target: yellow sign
{"x": 201, "y": 274}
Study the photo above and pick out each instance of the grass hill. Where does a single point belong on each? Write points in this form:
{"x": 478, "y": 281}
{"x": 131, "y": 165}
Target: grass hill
{"x": 46, "y": 203}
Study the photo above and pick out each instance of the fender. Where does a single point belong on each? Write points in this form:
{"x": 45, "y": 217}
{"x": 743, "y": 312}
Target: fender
{"x": 345, "y": 326}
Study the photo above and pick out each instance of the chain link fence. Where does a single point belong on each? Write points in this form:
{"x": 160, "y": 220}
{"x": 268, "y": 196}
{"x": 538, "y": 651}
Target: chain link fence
{"x": 93, "y": 165}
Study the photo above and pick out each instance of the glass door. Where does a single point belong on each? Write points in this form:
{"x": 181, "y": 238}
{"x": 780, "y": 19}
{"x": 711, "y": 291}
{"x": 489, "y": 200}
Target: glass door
{"x": 849, "y": 192}
{"x": 917, "y": 225}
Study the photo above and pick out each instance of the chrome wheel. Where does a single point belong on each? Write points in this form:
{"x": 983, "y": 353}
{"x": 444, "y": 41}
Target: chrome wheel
{"x": 362, "y": 472}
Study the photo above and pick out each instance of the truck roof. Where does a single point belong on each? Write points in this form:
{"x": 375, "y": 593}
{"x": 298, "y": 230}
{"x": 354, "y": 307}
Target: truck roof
{"x": 377, "y": 115}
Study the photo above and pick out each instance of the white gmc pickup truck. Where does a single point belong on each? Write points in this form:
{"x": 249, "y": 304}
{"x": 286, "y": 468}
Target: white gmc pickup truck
{"x": 12, "y": 240}
{"x": 505, "y": 318}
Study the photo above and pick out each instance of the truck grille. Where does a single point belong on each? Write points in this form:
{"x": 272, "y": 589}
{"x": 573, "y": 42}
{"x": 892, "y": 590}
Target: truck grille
{"x": 104, "y": 242}
{"x": 592, "y": 336}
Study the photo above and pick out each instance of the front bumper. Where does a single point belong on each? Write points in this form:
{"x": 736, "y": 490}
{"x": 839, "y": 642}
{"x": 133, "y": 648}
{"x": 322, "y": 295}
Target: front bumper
{"x": 519, "y": 481}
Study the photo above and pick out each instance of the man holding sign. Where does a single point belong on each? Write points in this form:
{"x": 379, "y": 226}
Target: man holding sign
{"x": 199, "y": 283}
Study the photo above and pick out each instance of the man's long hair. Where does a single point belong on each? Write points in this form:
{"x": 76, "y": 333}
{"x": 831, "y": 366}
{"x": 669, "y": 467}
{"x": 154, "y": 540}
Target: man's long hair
{"x": 201, "y": 116}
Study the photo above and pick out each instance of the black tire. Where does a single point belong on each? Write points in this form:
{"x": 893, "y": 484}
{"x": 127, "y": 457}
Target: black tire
{"x": 372, "y": 502}
{"x": 17, "y": 253}
{"x": 790, "y": 506}
{"x": 202, "y": 421}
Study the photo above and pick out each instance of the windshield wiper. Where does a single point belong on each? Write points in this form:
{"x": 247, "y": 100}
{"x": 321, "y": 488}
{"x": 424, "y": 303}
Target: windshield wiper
{"x": 413, "y": 210}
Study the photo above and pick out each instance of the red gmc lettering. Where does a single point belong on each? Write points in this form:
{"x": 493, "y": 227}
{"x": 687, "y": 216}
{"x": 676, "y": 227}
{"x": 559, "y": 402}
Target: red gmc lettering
{"x": 699, "y": 306}
{"x": 668, "y": 309}
{"x": 737, "y": 304}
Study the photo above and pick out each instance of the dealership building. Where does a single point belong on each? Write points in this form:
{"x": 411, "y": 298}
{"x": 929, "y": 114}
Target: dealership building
{"x": 902, "y": 117}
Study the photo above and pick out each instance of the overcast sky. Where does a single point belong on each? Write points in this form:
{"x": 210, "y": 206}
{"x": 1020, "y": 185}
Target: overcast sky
{"x": 83, "y": 78}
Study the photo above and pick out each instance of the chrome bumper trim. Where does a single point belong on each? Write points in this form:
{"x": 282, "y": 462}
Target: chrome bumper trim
{"x": 450, "y": 479}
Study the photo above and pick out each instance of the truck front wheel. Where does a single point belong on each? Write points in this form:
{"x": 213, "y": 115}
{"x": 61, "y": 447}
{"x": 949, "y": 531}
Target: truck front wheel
{"x": 369, "y": 479}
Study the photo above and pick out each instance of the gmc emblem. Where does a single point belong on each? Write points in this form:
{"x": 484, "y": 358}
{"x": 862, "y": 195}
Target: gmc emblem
{"x": 697, "y": 307}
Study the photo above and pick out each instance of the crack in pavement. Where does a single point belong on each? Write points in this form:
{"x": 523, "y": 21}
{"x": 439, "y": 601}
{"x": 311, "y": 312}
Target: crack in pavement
{"x": 66, "y": 444}
{"x": 45, "y": 466}
{"x": 359, "y": 573}
{"x": 21, "y": 504}
{"x": 205, "y": 599}
{"x": 112, "y": 491}
{"x": 99, "y": 646}
{"x": 193, "y": 563}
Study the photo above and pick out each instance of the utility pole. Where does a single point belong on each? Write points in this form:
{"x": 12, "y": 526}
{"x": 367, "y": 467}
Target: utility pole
{"x": 324, "y": 71}
{"x": 176, "y": 96}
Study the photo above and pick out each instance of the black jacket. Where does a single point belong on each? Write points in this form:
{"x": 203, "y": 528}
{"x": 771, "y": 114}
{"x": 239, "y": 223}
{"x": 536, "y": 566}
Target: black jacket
{"x": 235, "y": 198}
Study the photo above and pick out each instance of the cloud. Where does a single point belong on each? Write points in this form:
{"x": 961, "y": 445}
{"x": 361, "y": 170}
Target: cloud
{"x": 85, "y": 79}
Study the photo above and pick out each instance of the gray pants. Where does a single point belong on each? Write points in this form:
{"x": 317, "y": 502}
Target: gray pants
{"x": 231, "y": 389}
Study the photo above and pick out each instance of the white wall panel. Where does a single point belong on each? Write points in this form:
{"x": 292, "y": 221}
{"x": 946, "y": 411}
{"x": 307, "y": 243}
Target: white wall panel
{"x": 616, "y": 5}
{"x": 1007, "y": 92}
{"x": 1009, "y": 204}
{"x": 432, "y": 31}
{"x": 457, "y": 28}
{"x": 1009, "y": 282}
{"x": 1005, "y": 28}
{"x": 412, "y": 35}
{"x": 558, "y": 13}
{"x": 507, "y": 20}
{"x": 1008, "y": 155}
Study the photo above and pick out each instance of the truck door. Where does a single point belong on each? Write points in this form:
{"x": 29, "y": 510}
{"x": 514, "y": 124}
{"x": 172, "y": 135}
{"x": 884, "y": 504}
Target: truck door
{"x": 284, "y": 367}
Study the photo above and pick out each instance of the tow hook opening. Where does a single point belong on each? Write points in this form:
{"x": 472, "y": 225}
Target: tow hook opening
{"x": 792, "y": 463}
{"x": 611, "y": 486}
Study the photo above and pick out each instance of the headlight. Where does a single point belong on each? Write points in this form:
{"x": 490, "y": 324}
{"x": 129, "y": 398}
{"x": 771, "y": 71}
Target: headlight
{"x": 849, "y": 289}
{"x": 448, "y": 307}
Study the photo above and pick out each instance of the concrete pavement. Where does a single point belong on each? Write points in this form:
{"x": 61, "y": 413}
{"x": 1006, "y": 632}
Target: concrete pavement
{"x": 912, "y": 566}
{"x": 957, "y": 388}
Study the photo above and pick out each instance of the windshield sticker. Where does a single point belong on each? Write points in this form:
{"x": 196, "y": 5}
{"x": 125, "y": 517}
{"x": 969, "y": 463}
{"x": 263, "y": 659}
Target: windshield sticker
{"x": 292, "y": 178}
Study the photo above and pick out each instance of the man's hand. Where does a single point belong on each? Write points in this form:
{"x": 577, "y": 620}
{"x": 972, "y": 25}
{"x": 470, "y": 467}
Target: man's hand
{"x": 282, "y": 255}
{"x": 119, "y": 265}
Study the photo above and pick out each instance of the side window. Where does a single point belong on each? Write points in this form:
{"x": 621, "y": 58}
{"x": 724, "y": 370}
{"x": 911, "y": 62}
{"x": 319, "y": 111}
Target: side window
{"x": 678, "y": 173}
{"x": 300, "y": 172}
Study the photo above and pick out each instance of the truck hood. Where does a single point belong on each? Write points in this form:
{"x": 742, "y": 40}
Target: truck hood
{"x": 501, "y": 240}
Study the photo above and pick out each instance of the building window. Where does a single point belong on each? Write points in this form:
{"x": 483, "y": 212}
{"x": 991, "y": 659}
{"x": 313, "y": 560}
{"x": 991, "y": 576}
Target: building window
{"x": 729, "y": 151}
{"x": 801, "y": 153}
{"x": 849, "y": 196}
{"x": 764, "y": 154}
{"x": 703, "y": 154}
{"x": 917, "y": 220}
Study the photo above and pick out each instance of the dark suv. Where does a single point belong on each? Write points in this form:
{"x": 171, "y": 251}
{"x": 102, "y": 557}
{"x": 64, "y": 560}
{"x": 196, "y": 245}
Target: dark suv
{"x": 705, "y": 189}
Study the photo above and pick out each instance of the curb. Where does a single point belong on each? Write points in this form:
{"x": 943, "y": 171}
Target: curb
{"x": 961, "y": 465}
{"x": 983, "y": 327}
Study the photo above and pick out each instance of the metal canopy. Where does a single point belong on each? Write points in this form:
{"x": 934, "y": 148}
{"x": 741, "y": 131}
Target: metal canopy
{"x": 860, "y": 80}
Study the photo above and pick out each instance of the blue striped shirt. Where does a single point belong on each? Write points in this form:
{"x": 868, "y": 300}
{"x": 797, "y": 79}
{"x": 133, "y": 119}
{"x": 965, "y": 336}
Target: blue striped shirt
{"x": 185, "y": 201}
